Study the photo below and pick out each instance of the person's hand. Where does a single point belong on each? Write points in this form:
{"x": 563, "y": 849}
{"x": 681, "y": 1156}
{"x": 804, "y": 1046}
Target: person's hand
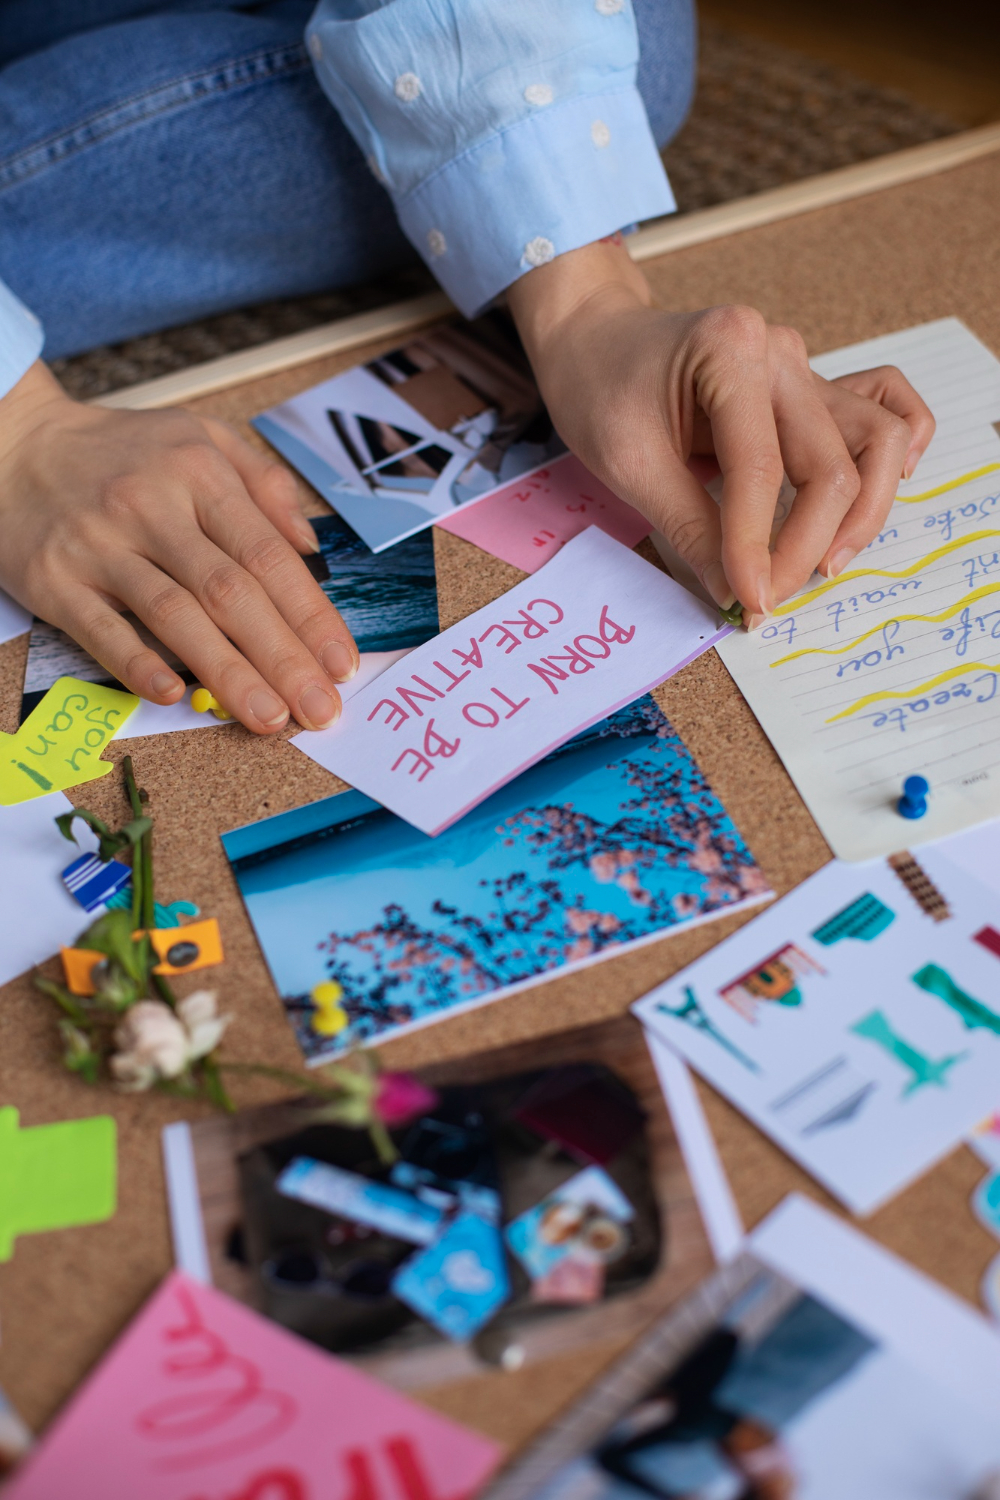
{"x": 175, "y": 518}
{"x": 636, "y": 392}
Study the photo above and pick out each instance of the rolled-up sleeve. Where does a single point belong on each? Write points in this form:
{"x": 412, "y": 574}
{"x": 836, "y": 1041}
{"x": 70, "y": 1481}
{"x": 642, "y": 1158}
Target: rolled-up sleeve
{"x": 21, "y": 339}
{"x": 506, "y": 131}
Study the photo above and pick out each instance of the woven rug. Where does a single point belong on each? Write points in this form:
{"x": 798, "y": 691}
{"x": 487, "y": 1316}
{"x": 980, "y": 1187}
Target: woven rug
{"x": 763, "y": 116}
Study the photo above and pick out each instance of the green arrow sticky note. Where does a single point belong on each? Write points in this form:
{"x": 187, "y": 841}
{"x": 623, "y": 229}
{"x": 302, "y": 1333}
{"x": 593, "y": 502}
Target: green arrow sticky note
{"x": 60, "y": 742}
{"x": 55, "y": 1176}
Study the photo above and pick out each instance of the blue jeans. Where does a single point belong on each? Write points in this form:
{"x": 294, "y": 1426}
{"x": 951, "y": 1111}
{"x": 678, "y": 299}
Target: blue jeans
{"x": 161, "y": 162}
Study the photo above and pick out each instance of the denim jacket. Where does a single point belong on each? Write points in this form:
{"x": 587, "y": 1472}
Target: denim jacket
{"x": 507, "y": 132}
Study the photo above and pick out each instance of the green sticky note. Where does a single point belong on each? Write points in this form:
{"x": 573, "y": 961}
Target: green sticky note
{"x": 60, "y": 742}
{"x": 55, "y": 1176}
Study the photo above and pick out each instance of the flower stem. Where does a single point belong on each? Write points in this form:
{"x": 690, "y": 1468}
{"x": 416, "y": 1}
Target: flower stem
{"x": 138, "y": 863}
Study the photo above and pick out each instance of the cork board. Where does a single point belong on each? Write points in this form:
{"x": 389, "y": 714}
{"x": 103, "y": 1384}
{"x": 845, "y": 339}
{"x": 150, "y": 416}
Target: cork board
{"x": 920, "y": 251}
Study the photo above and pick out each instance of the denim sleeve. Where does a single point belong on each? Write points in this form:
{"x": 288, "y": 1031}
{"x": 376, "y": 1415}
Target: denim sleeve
{"x": 506, "y": 131}
{"x": 21, "y": 339}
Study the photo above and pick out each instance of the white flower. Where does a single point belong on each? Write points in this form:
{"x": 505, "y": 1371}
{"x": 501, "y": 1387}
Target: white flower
{"x": 203, "y": 1024}
{"x": 155, "y": 1042}
{"x": 152, "y": 1043}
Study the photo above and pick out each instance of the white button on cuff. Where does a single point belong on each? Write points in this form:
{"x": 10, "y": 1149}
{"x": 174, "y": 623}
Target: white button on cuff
{"x": 316, "y": 46}
{"x": 436, "y": 242}
{"x": 376, "y": 170}
{"x": 599, "y": 133}
{"x": 538, "y": 94}
{"x": 539, "y": 251}
{"x": 609, "y": 7}
{"x": 408, "y": 86}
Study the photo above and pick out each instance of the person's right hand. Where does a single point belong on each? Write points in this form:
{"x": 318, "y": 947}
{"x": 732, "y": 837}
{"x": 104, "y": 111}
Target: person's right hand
{"x": 175, "y": 518}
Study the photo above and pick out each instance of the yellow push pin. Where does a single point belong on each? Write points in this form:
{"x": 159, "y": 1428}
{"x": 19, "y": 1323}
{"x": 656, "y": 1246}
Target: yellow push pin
{"x": 202, "y": 702}
{"x": 330, "y": 1017}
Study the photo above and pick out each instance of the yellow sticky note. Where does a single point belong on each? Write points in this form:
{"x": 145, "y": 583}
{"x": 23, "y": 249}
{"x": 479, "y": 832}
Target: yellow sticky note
{"x": 60, "y": 742}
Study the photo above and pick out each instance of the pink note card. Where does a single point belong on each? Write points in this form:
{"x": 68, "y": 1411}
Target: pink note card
{"x": 529, "y": 520}
{"x": 203, "y": 1399}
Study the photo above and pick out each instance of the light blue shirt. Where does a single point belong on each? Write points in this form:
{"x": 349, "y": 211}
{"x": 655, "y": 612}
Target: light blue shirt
{"x": 506, "y": 131}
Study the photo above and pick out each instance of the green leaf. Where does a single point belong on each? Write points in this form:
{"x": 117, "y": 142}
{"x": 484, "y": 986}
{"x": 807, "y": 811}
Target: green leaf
{"x": 66, "y": 1002}
{"x": 111, "y": 934}
{"x": 109, "y": 844}
{"x": 79, "y": 1056}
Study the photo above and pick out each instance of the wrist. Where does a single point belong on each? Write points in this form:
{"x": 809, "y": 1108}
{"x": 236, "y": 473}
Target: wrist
{"x": 35, "y": 398}
{"x": 596, "y": 280}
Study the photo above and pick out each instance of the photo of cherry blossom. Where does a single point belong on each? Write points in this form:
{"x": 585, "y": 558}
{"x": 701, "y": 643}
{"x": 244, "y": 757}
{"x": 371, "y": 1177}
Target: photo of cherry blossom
{"x": 612, "y": 840}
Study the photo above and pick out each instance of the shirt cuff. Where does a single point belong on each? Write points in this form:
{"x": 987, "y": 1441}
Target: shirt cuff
{"x": 561, "y": 178}
{"x": 21, "y": 339}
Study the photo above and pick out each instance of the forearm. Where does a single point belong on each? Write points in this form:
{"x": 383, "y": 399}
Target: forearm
{"x": 545, "y": 301}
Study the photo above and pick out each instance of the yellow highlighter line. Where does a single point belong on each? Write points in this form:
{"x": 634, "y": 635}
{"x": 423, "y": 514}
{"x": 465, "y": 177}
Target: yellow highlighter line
{"x": 916, "y": 692}
{"x": 832, "y": 583}
{"x": 953, "y": 484}
{"x": 946, "y": 614}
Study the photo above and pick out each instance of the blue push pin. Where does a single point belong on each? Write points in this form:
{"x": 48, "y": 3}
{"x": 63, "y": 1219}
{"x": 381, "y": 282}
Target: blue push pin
{"x": 913, "y": 802}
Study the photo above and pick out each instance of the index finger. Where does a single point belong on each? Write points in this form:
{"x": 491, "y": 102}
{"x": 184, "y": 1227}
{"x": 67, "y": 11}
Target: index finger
{"x": 737, "y": 403}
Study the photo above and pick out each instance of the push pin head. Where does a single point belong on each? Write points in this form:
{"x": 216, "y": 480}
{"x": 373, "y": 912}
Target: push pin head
{"x": 913, "y": 802}
{"x": 202, "y": 702}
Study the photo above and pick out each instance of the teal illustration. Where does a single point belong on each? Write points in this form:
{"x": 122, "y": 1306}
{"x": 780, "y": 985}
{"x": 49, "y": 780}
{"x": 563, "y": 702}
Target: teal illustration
{"x": 976, "y": 1015}
{"x": 875, "y": 1028}
{"x": 692, "y": 1013}
{"x": 864, "y": 919}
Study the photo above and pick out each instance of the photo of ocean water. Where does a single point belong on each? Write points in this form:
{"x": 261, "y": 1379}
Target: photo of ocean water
{"x": 388, "y": 599}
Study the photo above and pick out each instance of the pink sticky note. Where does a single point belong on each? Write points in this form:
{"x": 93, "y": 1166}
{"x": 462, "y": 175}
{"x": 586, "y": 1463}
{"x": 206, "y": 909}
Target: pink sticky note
{"x": 202, "y": 1399}
{"x": 529, "y": 520}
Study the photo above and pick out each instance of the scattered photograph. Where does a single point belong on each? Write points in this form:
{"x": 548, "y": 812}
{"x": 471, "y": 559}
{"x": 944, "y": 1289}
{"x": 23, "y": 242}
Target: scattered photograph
{"x": 613, "y": 839}
{"x": 420, "y": 431}
{"x": 389, "y": 602}
{"x": 782, "y": 1399}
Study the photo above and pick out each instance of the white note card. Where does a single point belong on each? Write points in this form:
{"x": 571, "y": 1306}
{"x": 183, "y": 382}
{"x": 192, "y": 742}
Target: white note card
{"x": 457, "y": 718}
{"x": 892, "y": 669}
{"x": 859, "y": 1032}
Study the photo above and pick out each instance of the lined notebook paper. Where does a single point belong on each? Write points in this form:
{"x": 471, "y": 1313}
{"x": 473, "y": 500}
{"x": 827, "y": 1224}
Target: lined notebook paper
{"x": 893, "y": 669}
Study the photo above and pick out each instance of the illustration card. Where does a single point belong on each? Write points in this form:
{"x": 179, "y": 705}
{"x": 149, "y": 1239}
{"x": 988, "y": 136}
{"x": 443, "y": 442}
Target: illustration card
{"x": 816, "y": 1366}
{"x": 458, "y": 718}
{"x": 857, "y": 1028}
{"x": 419, "y": 432}
{"x": 527, "y": 522}
{"x": 613, "y": 839}
{"x": 201, "y": 1397}
{"x": 892, "y": 667}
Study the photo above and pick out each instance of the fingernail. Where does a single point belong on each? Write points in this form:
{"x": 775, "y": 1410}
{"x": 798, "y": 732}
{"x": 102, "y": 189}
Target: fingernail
{"x": 839, "y": 560}
{"x": 317, "y": 709}
{"x": 338, "y": 661}
{"x": 715, "y": 580}
{"x": 267, "y": 709}
{"x": 306, "y": 534}
{"x": 163, "y": 683}
{"x": 753, "y": 622}
{"x": 911, "y": 463}
{"x": 765, "y": 596}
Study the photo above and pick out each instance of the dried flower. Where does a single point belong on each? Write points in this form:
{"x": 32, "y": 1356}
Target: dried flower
{"x": 399, "y": 1097}
{"x": 155, "y": 1042}
{"x": 203, "y": 1024}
